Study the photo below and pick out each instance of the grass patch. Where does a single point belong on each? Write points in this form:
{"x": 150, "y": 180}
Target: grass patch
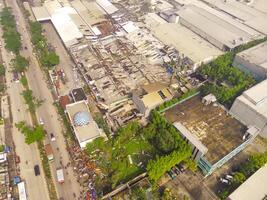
{"x": 122, "y": 157}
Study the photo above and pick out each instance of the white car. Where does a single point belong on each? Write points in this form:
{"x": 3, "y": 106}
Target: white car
{"x": 52, "y": 137}
{"x": 41, "y": 122}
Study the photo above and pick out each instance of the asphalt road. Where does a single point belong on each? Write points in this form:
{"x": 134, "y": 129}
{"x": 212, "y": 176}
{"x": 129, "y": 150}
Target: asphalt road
{"x": 29, "y": 154}
{"x": 48, "y": 113}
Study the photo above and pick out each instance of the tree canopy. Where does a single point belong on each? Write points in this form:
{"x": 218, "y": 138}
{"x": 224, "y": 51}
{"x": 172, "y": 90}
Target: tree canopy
{"x": 226, "y": 81}
{"x": 32, "y": 134}
{"x": 246, "y": 169}
{"x": 10, "y": 35}
{"x": 167, "y": 140}
{"x": 30, "y": 100}
{"x": 50, "y": 59}
{"x": 20, "y": 63}
{"x": 2, "y": 70}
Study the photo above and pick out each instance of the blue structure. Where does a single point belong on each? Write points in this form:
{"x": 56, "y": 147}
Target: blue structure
{"x": 81, "y": 118}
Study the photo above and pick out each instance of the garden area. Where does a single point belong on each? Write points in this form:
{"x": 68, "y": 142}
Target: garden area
{"x": 225, "y": 81}
{"x": 154, "y": 149}
{"x": 121, "y": 158}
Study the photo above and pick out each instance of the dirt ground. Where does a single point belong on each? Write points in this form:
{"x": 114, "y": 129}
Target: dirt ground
{"x": 66, "y": 63}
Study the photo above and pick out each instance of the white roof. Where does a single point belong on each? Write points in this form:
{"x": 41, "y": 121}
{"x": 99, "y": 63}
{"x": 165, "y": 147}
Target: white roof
{"x": 129, "y": 27}
{"x": 96, "y": 31}
{"x": 213, "y": 26}
{"x": 255, "y": 99}
{"x": 186, "y": 42}
{"x": 254, "y": 188}
{"x": 87, "y": 132}
{"x": 65, "y": 27}
{"x": 256, "y": 55}
{"x": 40, "y": 13}
{"x": 152, "y": 19}
{"x": 107, "y": 6}
{"x": 257, "y": 94}
{"x": 60, "y": 17}
{"x": 22, "y": 191}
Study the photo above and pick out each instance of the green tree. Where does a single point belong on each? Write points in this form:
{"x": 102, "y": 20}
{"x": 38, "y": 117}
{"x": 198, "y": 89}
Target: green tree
{"x": 167, "y": 195}
{"x": 32, "y": 134}
{"x": 2, "y": 70}
{"x": 224, "y": 194}
{"x": 10, "y": 35}
{"x": 24, "y": 81}
{"x": 49, "y": 59}
{"x": 138, "y": 193}
{"x": 20, "y": 63}
{"x": 2, "y": 88}
{"x": 156, "y": 168}
{"x": 2, "y": 148}
{"x": 238, "y": 179}
{"x": 191, "y": 164}
{"x": 30, "y": 100}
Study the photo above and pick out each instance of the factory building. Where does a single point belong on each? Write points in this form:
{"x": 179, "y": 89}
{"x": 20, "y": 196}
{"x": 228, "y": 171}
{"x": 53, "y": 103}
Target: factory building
{"x": 214, "y": 135}
{"x": 253, "y": 61}
{"x": 150, "y": 96}
{"x": 251, "y": 107}
{"x": 212, "y": 28}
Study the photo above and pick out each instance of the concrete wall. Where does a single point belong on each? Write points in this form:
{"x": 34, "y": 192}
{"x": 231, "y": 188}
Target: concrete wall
{"x": 249, "y": 116}
{"x": 258, "y": 72}
{"x": 139, "y": 103}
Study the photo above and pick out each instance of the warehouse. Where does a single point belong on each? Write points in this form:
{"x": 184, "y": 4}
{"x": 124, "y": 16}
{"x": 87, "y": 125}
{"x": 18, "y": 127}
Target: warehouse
{"x": 85, "y": 128}
{"x": 251, "y": 107}
{"x": 253, "y": 61}
{"x": 186, "y": 42}
{"x": 108, "y": 7}
{"x": 60, "y": 18}
{"x": 250, "y": 16}
{"x": 211, "y": 27}
{"x": 253, "y": 188}
{"x": 90, "y": 12}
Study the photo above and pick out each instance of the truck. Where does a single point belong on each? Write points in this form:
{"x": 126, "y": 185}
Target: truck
{"x": 49, "y": 152}
{"x": 60, "y": 175}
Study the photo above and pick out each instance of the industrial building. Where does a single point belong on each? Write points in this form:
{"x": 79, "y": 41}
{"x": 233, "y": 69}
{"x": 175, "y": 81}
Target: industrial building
{"x": 253, "y": 188}
{"x": 251, "y": 107}
{"x": 253, "y": 61}
{"x": 76, "y": 19}
{"x": 186, "y": 42}
{"x": 85, "y": 128}
{"x": 244, "y": 12}
{"x": 60, "y": 18}
{"x": 215, "y": 136}
{"x": 150, "y": 96}
{"x": 211, "y": 27}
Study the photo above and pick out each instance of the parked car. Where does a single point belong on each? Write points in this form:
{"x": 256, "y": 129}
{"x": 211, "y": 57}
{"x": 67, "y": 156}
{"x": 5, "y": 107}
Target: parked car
{"x": 171, "y": 175}
{"x": 181, "y": 167}
{"x": 36, "y": 170}
{"x": 176, "y": 171}
{"x": 52, "y": 137}
{"x": 41, "y": 121}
